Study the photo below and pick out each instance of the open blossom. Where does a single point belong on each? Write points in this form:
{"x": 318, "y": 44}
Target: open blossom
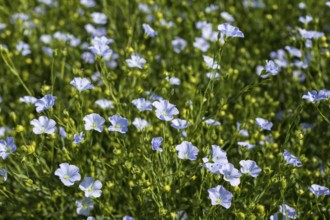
{"x": 84, "y": 206}
{"x": 271, "y": 67}
{"x": 211, "y": 63}
{"x": 230, "y": 31}
{"x": 43, "y": 125}
{"x": 156, "y": 142}
{"x": 149, "y": 31}
{"x": 218, "y": 155}
{"x": 250, "y": 167}
{"x": 201, "y": 44}
{"x": 24, "y": 48}
{"x": 77, "y": 138}
{"x": 212, "y": 122}
{"x": 315, "y": 96}
{"x": 81, "y": 84}
{"x": 68, "y": 174}
{"x": 7, "y": 147}
{"x": 230, "y": 174}
{"x": 119, "y": 124}
{"x": 288, "y": 211}
{"x": 90, "y": 187}
{"x": 290, "y": 159}
{"x": 164, "y": 110}
{"x": 264, "y": 124}
{"x": 179, "y": 124}
{"x": 142, "y": 104}
{"x": 179, "y": 44}
{"x": 28, "y": 99}
{"x": 45, "y": 103}
{"x": 136, "y": 61}
{"x": 100, "y": 46}
{"x": 187, "y": 151}
{"x": 99, "y": 18}
{"x": 104, "y": 103}
{"x": 94, "y": 122}
{"x": 140, "y": 124}
{"x": 220, "y": 196}
{"x": 319, "y": 190}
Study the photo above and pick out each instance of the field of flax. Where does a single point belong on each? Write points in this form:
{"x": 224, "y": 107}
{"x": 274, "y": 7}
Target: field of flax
{"x": 164, "y": 109}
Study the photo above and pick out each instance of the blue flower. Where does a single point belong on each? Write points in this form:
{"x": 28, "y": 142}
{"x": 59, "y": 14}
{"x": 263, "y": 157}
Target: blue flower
{"x": 43, "y": 125}
{"x": 77, "y": 138}
{"x": 45, "y": 103}
{"x": 213, "y": 167}
{"x": 310, "y": 34}
{"x": 136, "y": 61}
{"x": 220, "y": 196}
{"x": 179, "y": 124}
{"x": 288, "y": 211}
{"x": 319, "y": 190}
{"x": 230, "y": 174}
{"x": 28, "y": 99}
{"x": 24, "y": 48}
{"x": 165, "y": 110}
{"x": 142, "y": 104}
{"x": 227, "y": 16}
{"x": 88, "y": 57}
{"x": 293, "y": 51}
{"x": 246, "y": 144}
{"x": 127, "y": 217}
{"x": 212, "y": 122}
{"x": 315, "y": 96}
{"x": 94, "y": 122}
{"x": 99, "y": 18}
{"x": 7, "y": 147}
{"x": 68, "y": 174}
{"x": 250, "y": 167}
{"x": 4, "y": 173}
{"x": 174, "y": 81}
{"x": 290, "y": 159}
{"x": 179, "y": 44}
{"x": 84, "y": 206}
{"x": 104, "y": 103}
{"x": 2, "y": 26}
{"x": 187, "y": 151}
{"x": 140, "y": 124}
{"x": 213, "y": 75}
{"x": 100, "y": 46}
{"x": 81, "y": 84}
{"x": 230, "y": 31}
{"x": 90, "y": 187}
{"x": 201, "y": 44}
{"x": 88, "y": 3}
{"x": 156, "y": 142}
{"x": 211, "y": 63}
{"x": 271, "y": 68}
{"x": 119, "y": 124}
{"x": 149, "y": 31}
{"x": 62, "y": 132}
{"x": 242, "y": 132}
{"x": 219, "y": 156}
{"x": 305, "y": 19}
{"x": 264, "y": 124}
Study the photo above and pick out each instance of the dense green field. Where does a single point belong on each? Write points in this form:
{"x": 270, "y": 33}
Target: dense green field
{"x": 160, "y": 109}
